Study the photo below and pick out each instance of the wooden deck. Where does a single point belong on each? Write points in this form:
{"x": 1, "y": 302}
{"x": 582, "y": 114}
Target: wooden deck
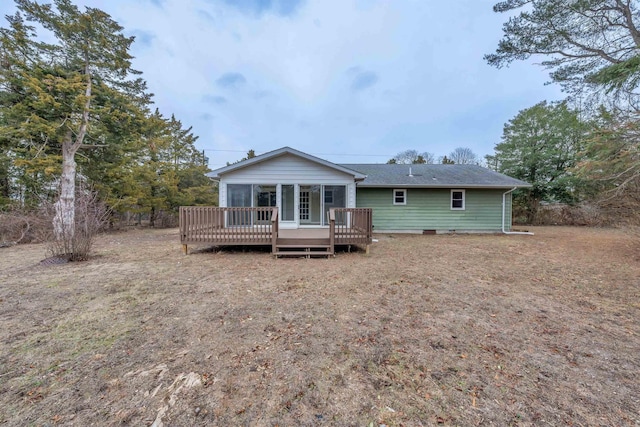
{"x": 259, "y": 226}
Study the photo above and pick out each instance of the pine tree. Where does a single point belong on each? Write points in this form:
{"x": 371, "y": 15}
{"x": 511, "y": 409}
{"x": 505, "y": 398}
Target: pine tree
{"x": 64, "y": 91}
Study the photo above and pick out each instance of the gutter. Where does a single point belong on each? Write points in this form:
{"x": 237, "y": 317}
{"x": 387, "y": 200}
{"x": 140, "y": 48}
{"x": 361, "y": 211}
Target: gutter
{"x": 504, "y": 207}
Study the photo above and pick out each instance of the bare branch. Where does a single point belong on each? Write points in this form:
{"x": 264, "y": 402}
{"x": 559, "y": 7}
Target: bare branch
{"x": 626, "y": 11}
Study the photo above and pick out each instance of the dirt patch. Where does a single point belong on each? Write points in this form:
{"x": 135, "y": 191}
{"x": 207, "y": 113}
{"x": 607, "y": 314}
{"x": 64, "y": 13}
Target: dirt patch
{"x": 426, "y": 330}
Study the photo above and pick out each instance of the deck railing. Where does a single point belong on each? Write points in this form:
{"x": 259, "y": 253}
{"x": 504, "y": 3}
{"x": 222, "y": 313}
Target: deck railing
{"x": 259, "y": 226}
{"x": 351, "y": 226}
{"x": 239, "y": 226}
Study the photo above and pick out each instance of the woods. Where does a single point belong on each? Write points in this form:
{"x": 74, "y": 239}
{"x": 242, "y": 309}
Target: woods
{"x": 585, "y": 149}
{"x": 74, "y": 111}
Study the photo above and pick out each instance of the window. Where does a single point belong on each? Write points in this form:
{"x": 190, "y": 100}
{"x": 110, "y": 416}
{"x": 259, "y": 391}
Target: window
{"x": 457, "y": 200}
{"x": 400, "y": 197}
{"x": 328, "y": 195}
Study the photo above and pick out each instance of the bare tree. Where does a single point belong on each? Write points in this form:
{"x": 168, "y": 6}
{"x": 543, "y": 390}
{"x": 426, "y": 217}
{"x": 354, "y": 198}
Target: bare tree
{"x": 464, "y": 156}
{"x": 409, "y": 157}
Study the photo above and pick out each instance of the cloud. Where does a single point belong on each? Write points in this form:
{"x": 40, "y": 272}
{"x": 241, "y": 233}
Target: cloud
{"x": 231, "y": 80}
{"x": 214, "y": 99}
{"x": 291, "y": 62}
{"x": 362, "y": 79}
{"x": 260, "y": 7}
{"x": 261, "y": 94}
{"x": 206, "y": 16}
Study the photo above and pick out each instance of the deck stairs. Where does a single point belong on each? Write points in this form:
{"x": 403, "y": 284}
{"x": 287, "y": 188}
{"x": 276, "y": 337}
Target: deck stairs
{"x": 308, "y": 247}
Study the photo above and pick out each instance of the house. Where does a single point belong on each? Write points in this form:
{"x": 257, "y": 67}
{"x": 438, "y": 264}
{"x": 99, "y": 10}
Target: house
{"x": 404, "y": 198}
{"x": 267, "y": 197}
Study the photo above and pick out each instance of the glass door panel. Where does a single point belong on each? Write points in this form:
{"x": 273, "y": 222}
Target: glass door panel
{"x": 310, "y": 205}
{"x": 288, "y": 202}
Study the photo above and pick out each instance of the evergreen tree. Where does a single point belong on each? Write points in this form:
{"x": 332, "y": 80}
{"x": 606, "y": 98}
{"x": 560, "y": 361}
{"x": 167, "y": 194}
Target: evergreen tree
{"x": 63, "y": 91}
{"x": 588, "y": 44}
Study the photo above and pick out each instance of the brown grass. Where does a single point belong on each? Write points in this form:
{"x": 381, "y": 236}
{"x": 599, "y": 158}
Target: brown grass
{"x": 427, "y": 330}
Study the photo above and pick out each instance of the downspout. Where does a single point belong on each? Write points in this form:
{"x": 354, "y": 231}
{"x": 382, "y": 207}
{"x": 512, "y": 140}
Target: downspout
{"x": 504, "y": 208}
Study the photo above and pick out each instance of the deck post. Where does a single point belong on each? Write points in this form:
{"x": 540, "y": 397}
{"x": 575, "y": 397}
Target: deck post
{"x": 332, "y": 230}
{"x": 185, "y": 250}
{"x": 274, "y": 231}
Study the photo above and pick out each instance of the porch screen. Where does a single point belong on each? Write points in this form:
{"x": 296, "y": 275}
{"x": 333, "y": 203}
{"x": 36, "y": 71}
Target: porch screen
{"x": 288, "y": 203}
{"x": 335, "y": 196}
{"x": 264, "y": 196}
{"x": 239, "y": 195}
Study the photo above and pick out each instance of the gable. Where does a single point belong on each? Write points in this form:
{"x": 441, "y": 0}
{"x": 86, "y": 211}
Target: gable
{"x": 284, "y": 151}
{"x": 287, "y": 168}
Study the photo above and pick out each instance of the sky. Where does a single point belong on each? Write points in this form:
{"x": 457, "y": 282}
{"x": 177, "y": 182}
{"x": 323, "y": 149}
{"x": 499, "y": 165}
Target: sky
{"x": 349, "y": 81}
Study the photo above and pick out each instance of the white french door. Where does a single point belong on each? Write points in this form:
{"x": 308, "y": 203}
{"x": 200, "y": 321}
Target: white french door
{"x": 304, "y": 205}
{"x": 310, "y": 205}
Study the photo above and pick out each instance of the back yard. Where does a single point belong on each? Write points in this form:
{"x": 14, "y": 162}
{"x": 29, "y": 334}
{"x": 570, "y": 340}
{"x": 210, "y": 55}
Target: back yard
{"x": 426, "y": 330}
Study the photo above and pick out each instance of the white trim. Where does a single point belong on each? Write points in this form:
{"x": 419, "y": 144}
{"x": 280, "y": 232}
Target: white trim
{"x": 463, "y": 200}
{"x": 404, "y": 196}
{"x": 504, "y": 206}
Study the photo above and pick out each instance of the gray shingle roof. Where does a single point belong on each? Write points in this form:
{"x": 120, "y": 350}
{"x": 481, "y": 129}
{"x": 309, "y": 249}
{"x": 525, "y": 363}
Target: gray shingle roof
{"x": 434, "y": 176}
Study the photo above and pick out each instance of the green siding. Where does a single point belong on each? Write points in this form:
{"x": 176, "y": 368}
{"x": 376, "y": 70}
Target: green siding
{"x": 429, "y": 209}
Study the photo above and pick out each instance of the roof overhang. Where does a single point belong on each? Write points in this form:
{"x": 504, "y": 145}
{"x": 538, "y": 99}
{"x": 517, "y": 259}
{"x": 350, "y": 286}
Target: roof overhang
{"x": 217, "y": 173}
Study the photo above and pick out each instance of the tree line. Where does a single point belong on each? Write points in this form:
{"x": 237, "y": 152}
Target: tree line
{"x": 76, "y": 117}
{"x": 460, "y": 155}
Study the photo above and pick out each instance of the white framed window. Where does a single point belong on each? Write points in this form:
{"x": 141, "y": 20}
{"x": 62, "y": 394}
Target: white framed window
{"x": 400, "y": 197}
{"x": 328, "y": 195}
{"x": 457, "y": 200}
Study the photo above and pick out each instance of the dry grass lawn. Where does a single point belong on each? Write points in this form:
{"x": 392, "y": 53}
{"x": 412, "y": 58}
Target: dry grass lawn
{"x": 426, "y": 330}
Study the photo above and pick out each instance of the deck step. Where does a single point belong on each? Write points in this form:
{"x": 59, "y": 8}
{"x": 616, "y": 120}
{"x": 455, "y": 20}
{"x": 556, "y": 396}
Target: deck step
{"x": 302, "y": 242}
{"x": 303, "y": 253}
{"x": 302, "y": 246}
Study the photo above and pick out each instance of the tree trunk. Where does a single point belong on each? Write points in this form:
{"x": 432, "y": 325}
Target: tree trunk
{"x": 64, "y": 226}
{"x": 532, "y": 210}
{"x": 64, "y": 215}
{"x": 152, "y": 217}
{"x": 5, "y": 187}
